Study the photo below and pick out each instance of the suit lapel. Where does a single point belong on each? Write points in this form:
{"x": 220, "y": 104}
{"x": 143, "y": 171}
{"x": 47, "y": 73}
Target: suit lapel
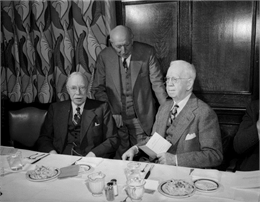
{"x": 86, "y": 119}
{"x": 183, "y": 120}
{"x": 63, "y": 120}
{"x": 164, "y": 118}
{"x": 113, "y": 70}
{"x": 135, "y": 65}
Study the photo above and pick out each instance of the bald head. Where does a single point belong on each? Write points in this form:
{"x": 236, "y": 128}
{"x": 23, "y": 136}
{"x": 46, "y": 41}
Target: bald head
{"x": 120, "y": 33}
{"x": 121, "y": 38}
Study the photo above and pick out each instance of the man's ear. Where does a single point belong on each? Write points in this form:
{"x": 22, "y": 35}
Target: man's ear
{"x": 190, "y": 84}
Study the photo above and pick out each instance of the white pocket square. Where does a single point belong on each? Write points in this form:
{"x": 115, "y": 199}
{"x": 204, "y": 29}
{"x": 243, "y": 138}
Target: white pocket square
{"x": 97, "y": 124}
{"x": 190, "y": 136}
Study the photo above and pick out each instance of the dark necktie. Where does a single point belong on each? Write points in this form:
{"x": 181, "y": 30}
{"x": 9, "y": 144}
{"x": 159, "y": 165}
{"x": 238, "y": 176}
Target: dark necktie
{"x": 173, "y": 113}
{"x": 125, "y": 65}
{"x": 77, "y": 116}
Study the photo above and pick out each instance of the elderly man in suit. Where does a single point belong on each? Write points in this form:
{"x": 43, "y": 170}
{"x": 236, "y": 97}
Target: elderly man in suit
{"x": 128, "y": 76}
{"x": 79, "y": 126}
{"x": 188, "y": 123}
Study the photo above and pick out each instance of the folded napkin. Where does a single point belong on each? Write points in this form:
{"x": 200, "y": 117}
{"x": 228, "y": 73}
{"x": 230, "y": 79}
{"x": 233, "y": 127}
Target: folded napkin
{"x": 92, "y": 161}
{"x": 69, "y": 171}
{"x": 151, "y": 184}
{"x": 206, "y": 174}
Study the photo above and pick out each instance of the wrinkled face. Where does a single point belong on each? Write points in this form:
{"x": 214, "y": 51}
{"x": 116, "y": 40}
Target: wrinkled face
{"x": 122, "y": 46}
{"x": 177, "y": 83}
{"x": 77, "y": 89}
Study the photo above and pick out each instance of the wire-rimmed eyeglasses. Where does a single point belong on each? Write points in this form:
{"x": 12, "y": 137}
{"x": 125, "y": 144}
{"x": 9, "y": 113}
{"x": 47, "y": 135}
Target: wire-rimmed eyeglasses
{"x": 172, "y": 80}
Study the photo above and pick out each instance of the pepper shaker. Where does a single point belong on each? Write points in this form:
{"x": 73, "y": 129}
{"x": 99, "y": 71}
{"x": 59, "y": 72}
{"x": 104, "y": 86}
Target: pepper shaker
{"x": 110, "y": 192}
{"x": 115, "y": 188}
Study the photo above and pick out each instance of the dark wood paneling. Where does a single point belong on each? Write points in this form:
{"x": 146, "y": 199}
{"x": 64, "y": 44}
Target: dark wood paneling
{"x": 223, "y": 48}
{"x": 155, "y": 24}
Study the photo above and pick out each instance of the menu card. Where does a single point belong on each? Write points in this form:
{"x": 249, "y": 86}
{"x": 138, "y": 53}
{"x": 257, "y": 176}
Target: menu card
{"x": 156, "y": 144}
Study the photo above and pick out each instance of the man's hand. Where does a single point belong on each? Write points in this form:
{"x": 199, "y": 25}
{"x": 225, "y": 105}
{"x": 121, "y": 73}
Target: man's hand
{"x": 118, "y": 120}
{"x": 130, "y": 153}
{"x": 166, "y": 158}
{"x": 53, "y": 152}
{"x": 90, "y": 154}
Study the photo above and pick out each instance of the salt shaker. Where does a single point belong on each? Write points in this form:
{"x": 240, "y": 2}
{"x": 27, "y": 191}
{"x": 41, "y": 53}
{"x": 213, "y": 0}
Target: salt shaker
{"x": 110, "y": 192}
{"x": 115, "y": 188}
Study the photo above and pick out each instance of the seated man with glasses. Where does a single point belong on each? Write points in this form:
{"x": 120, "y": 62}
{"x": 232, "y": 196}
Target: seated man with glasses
{"x": 188, "y": 123}
{"x": 79, "y": 126}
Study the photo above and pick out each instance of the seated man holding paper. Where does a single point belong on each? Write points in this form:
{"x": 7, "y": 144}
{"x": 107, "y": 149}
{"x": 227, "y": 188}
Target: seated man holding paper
{"x": 187, "y": 123}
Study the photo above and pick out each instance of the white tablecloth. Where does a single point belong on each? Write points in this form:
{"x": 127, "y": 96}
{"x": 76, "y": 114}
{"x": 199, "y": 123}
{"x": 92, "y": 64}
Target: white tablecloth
{"x": 15, "y": 186}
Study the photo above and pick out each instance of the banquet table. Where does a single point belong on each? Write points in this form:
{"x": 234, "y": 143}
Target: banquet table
{"x": 239, "y": 186}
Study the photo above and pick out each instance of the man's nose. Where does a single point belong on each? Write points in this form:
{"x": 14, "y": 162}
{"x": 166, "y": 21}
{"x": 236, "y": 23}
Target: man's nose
{"x": 78, "y": 91}
{"x": 123, "y": 49}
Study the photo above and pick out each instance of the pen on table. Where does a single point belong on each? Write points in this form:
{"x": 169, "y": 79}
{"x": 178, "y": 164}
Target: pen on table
{"x": 149, "y": 172}
{"x": 40, "y": 159}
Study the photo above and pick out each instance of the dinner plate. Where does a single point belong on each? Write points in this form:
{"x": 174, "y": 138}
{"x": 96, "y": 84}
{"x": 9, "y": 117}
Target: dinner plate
{"x": 206, "y": 185}
{"x": 31, "y": 173}
{"x": 176, "y": 188}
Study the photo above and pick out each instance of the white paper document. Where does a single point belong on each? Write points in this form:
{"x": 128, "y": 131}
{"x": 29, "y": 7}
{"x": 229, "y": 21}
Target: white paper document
{"x": 157, "y": 144}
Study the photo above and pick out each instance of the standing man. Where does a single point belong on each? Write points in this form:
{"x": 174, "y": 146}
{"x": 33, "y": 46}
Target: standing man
{"x": 188, "y": 123}
{"x": 127, "y": 76}
{"x": 79, "y": 126}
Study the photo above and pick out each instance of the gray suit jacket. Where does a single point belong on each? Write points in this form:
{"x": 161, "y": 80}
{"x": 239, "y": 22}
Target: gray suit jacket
{"x": 205, "y": 149}
{"x": 146, "y": 79}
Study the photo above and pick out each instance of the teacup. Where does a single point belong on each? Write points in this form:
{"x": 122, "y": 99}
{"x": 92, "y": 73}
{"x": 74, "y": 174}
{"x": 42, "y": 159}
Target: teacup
{"x": 96, "y": 183}
{"x": 135, "y": 189}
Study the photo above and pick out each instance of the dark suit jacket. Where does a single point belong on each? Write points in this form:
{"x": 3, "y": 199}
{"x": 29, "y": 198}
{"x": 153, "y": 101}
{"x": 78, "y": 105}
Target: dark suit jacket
{"x": 246, "y": 141}
{"x": 196, "y": 119}
{"x": 98, "y": 130}
{"x": 146, "y": 79}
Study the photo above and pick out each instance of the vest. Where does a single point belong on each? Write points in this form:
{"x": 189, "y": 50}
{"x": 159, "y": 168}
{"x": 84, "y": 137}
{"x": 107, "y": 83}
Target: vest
{"x": 128, "y": 111}
{"x": 73, "y": 137}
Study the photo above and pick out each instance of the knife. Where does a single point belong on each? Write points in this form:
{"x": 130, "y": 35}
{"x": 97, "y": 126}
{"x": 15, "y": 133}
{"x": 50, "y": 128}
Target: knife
{"x": 149, "y": 172}
{"x": 40, "y": 159}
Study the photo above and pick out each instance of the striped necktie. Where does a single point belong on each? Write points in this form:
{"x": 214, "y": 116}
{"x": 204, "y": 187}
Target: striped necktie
{"x": 125, "y": 65}
{"x": 77, "y": 116}
{"x": 173, "y": 113}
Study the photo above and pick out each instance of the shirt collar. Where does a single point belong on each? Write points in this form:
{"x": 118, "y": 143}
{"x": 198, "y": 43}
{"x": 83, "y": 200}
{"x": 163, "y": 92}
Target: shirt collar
{"x": 127, "y": 59}
{"x": 75, "y": 106}
{"x": 181, "y": 104}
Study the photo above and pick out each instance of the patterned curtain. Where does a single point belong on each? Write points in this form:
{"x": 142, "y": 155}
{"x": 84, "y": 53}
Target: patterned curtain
{"x": 43, "y": 41}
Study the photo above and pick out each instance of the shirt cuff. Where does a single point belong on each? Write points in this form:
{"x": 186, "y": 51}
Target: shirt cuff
{"x": 176, "y": 160}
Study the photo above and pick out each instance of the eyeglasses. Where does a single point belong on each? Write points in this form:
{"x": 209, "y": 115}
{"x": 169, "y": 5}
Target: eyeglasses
{"x": 75, "y": 88}
{"x": 173, "y": 80}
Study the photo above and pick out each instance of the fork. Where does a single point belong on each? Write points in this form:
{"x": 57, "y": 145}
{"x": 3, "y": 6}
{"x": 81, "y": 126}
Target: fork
{"x": 35, "y": 156}
{"x": 31, "y": 156}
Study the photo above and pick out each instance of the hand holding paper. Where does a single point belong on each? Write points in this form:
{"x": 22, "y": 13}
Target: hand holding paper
{"x": 157, "y": 144}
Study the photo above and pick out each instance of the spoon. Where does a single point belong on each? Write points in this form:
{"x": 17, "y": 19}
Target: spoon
{"x": 144, "y": 168}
